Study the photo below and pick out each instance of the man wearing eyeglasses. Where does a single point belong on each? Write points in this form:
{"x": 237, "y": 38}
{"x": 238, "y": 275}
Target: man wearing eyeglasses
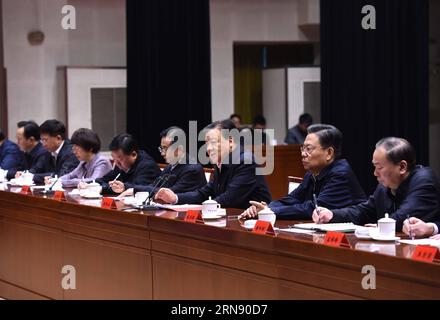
{"x": 329, "y": 179}
{"x": 180, "y": 175}
{"x": 235, "y": 181}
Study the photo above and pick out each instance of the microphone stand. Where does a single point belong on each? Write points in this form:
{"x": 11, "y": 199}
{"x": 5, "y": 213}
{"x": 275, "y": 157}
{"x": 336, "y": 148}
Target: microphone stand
{"x": 146, "y": 205}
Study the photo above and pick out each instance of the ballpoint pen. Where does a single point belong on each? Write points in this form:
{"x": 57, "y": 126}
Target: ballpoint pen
{"x": 316, "y": 208}
{"x": 116, "y": 177}
{"x": 409, "y": 228}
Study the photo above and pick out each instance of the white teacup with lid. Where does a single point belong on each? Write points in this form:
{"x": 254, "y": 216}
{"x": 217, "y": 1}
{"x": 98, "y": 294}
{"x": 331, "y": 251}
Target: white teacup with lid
{"x": 387, "y": 226}
{"x": 210, "y": 207}
{"x": 267, "y": 215}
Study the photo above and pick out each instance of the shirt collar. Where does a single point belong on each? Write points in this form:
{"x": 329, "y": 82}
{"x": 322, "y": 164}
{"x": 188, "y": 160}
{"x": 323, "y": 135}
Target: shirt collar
{"x": 57, "y": 152}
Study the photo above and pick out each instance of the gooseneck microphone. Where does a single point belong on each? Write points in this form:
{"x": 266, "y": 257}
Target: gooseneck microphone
{"x": 146, "y": 205}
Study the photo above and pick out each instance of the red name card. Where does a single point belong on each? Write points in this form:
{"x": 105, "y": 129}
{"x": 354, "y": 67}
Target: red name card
{"x": 26, "y": 190}
{"x": 426, "y": 254}
{"x": 336, "y": 239}
{"x": 263, "y": 227}
{"x": 59, "y": 195}
{"x": 193, "y": 216}
{"x": 108, "y": 203}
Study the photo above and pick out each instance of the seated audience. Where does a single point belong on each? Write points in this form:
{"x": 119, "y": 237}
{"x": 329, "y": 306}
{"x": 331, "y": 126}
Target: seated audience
{"x": 404, "y": 190}
{"x": 11, "y": 157}
{"x": 35, "y": 155}
{"x": 235, "y": 181}
{"x": 298, "y": 133}
{"x": 93, "y": 165}
{"x": 180, "y": 175}
{"x": 329, "y": 177}
{"x": 60, "y": 160}
{"x": 131, "y": 165}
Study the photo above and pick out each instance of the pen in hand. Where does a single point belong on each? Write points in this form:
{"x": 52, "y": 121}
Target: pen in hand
{"x": 316, "y": 208}
{"x": 410, "y": 234}
{"x": 116, "y": 178}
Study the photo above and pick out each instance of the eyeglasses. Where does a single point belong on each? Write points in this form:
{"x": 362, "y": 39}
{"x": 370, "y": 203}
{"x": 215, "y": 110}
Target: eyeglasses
{"x": 162, "y": 149}
{"x": 308, "y": 149}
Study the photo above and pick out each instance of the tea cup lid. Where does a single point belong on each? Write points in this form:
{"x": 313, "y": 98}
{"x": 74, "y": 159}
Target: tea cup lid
{"x": 209, "y": 201}
{"x": 386, "y": 219}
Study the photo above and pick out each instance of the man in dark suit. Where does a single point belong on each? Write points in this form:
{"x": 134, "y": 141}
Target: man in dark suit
{"x": 10, "y": 155}
{"x": 404, "y": 189}
{"x": 329, "y": 178}
{"x": 131, "y": 166}
{"x": 28, "y": 139}
{"x": 235, "y": 181}
{"x": 60, "y": 160}
{"x": 179, "y": 175}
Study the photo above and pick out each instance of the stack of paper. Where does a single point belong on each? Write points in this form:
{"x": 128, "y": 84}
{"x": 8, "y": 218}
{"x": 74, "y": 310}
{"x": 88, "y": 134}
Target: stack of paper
{"x": 423, "y": 242}
{"x": 339, "y": 227}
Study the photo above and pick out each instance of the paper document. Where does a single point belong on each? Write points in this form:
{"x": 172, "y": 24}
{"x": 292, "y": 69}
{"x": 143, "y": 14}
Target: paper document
{"x": 340, "y": 227}
{"x": 424, "y": 242}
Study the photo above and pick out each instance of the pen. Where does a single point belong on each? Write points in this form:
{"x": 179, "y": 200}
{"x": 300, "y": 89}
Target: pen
{"x": 409, "y": 228}
{"x": 116, "y": 177}
{"x": 316, "y": 208}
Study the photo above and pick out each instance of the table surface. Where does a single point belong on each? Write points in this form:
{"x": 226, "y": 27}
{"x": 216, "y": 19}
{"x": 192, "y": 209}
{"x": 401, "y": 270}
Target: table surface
{"x": 291, "y": 265}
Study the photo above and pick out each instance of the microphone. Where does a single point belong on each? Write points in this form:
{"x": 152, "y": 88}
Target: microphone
{"x": 159, "y": 184}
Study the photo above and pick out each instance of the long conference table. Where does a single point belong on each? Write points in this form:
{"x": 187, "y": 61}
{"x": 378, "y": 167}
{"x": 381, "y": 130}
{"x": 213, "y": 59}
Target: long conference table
{"x": 156, "y": 255}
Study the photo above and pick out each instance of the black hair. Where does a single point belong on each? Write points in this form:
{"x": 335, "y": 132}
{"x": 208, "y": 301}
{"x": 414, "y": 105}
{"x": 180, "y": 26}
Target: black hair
{"x": 329, "y": 136}
{"x": 2, "y": 135}
{"x": 234, "y": 115}
{"x": 53, "y": 128}
{"x": 225, "y": 126}
{"x": 86, "y": 139}
{"x": 124, "y": 142}
{"x": 305, "y": 118}
{"x": 398, "y": 149}
{"x": 30, "y": 129}
{"x": 169, "y": 130}
{"x": 259, "y": 119}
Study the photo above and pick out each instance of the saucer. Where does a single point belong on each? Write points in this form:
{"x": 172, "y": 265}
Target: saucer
{"x": 92, "y": 196}
{"x": 378, "y": 237}
{"x": 211, "y": 217}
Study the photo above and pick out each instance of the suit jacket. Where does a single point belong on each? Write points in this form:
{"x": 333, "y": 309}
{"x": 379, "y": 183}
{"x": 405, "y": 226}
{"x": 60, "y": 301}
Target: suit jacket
{"x": 181, "y": 178}
{"x": 33, "y": 161}
{"x": 336, "y": 186}
{"x": 143, "y": 172}
{"x": 10, "y": 156}
{"x": 66, "y": 161}
{"x": 87, "y": 171}
{"x": 417, "y": 196}
{"x": 233, "y": 185}
{"x": 295, "y": 136}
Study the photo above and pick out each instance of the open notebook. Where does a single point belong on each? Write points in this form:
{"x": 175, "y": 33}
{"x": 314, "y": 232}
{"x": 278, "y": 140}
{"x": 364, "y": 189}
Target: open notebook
{"x": 340, "y": 227}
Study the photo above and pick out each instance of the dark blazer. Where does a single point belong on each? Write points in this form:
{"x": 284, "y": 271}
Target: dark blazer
{"x": 65, "y": 163}
{"x": 181, "y": 178}
{"x": 233, "y": 186}
{"x": 33, "y": 161}
{"x": 417, "y": 196}
{"x": 336, "y": 186}
{"x": 11, "y": 156}
{"x": 143, "y": 172}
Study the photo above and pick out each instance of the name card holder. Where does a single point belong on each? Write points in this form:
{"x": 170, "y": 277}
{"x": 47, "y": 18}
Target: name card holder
{"x": 193, "y": 216}
{"x": 25, "y": 190}
{"x": 263, "y": 227}
{"x": 108, "y": 203}
{"x": 336, "y": 239}
{"x": 426, "y": 254}
{"x": 59, "y": 196}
